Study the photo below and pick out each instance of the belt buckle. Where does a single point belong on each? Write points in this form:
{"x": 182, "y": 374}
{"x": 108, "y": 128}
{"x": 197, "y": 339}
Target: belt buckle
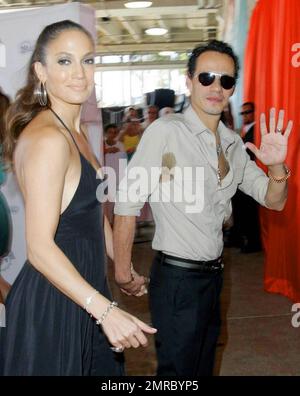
{"x": 220, "y": 265}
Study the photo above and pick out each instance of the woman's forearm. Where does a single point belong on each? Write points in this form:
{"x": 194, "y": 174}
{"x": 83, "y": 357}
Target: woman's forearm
{"x": 49, "y": 260}
{"x": 108, "y": 239}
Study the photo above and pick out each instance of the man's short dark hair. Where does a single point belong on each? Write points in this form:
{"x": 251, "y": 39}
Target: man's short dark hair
{"x": 108, "y": 126}
{"x": 214, "y": 45}
{"x": 249, "y": 104}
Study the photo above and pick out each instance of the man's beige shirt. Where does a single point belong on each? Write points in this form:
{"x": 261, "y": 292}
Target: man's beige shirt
{"x": 183, "y": 141}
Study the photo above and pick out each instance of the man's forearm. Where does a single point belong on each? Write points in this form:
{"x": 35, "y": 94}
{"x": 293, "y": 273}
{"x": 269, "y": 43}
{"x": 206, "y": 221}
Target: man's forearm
{"x": 277, "y": 192}
{"x": 123, "y": 236}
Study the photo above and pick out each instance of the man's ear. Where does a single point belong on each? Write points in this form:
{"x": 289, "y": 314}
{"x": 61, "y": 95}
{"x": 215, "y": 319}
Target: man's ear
{"x": 39, "y": 71}
{"x": 188, "y": 82}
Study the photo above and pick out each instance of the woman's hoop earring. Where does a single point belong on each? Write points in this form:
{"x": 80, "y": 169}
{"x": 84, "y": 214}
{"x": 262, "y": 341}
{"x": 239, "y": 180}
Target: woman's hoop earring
{"x": 41, "y": 94}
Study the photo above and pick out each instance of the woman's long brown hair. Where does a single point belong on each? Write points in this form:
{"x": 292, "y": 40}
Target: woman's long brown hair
{"x": 4, "y": 104}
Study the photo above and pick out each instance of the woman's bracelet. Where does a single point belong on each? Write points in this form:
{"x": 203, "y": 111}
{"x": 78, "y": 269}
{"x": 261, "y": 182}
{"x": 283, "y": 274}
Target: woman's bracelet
{"x": 280, "y": 179}
{"x": 105, "y": 313}
{"x": 88, "y": 301}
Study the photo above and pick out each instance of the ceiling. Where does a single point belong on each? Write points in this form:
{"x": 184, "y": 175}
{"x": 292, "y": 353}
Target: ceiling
{"x": 122, "y": 30}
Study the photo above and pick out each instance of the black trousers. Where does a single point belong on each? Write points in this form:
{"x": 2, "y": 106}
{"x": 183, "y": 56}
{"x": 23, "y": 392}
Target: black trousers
{"x": 185, "y": 308}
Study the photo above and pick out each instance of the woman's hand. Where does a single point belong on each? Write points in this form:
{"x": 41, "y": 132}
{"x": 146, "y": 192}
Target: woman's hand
{"x": 273, "y": 146}
{"x": 132, "y": 287}
{"x": 125, "y": 331}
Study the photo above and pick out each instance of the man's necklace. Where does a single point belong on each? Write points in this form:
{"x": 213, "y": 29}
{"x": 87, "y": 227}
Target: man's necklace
{"x": 219, "y": 152}
{"x": 219, "y": 149}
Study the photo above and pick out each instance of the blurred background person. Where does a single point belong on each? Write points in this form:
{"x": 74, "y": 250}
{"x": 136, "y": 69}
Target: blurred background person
{"x": 227, "y": 117}
{"x": 245, "y": 232}
{"x": 130, "y": 113}
{"x": 150, "y": 115}
{"x": 130, "y": 137}
{"x": 247, "y": 132}
{"x": 111, "y": 143}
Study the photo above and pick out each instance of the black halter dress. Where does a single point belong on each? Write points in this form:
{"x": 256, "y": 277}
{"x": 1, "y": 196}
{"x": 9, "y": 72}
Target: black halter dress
{"x": 47, "y": 333}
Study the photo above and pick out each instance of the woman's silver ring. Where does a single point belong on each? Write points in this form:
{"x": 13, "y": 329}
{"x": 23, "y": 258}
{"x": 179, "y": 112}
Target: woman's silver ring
{"x": 278, "y": 130}
{"x": 117, "y": 349}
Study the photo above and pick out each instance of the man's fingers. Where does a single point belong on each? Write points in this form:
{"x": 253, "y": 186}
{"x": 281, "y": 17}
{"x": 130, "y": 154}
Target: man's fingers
{"x": 272, "y": 121}
{"x": 142, "y": 291}
{"x": 280, "y": 120}
{"x": 125, "y": 292}
{"x": 288, "y": 129}
{"x": 263, "y": 126}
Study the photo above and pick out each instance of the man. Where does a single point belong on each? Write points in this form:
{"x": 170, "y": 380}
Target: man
{"x": 186, "y": 276}
{"x": 151, "y": 114}
{"x": 247, "y": 134}
{"x": 246, "y": 230}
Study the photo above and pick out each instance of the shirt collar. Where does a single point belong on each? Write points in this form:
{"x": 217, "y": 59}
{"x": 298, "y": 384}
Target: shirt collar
{"x": 247, "y": 127}
{"x": 226, "y": 133}
{"x": 197, "y": 126}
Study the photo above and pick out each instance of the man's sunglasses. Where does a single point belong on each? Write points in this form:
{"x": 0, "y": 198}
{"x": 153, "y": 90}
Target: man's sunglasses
{"x": 207, "y": 78}
{"x": 246, "y": 112}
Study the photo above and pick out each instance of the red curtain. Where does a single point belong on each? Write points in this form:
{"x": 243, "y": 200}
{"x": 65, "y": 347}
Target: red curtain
{"x": 272, "y": 79}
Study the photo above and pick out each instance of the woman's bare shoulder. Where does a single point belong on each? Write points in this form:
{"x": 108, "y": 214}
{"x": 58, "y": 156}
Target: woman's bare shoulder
{"x": 42, "y": 134}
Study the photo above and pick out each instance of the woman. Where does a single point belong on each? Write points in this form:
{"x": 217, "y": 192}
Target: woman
{"x": 131, "y": 137}
{"x": 61, "y": 294}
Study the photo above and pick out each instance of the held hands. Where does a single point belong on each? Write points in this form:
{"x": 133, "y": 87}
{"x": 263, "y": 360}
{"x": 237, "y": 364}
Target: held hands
{"x": 136, "y": 286}
{"x": 273, "y": 146}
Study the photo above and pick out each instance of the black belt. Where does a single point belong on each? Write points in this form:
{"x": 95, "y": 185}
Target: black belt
{"x": 205, "y": 266}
